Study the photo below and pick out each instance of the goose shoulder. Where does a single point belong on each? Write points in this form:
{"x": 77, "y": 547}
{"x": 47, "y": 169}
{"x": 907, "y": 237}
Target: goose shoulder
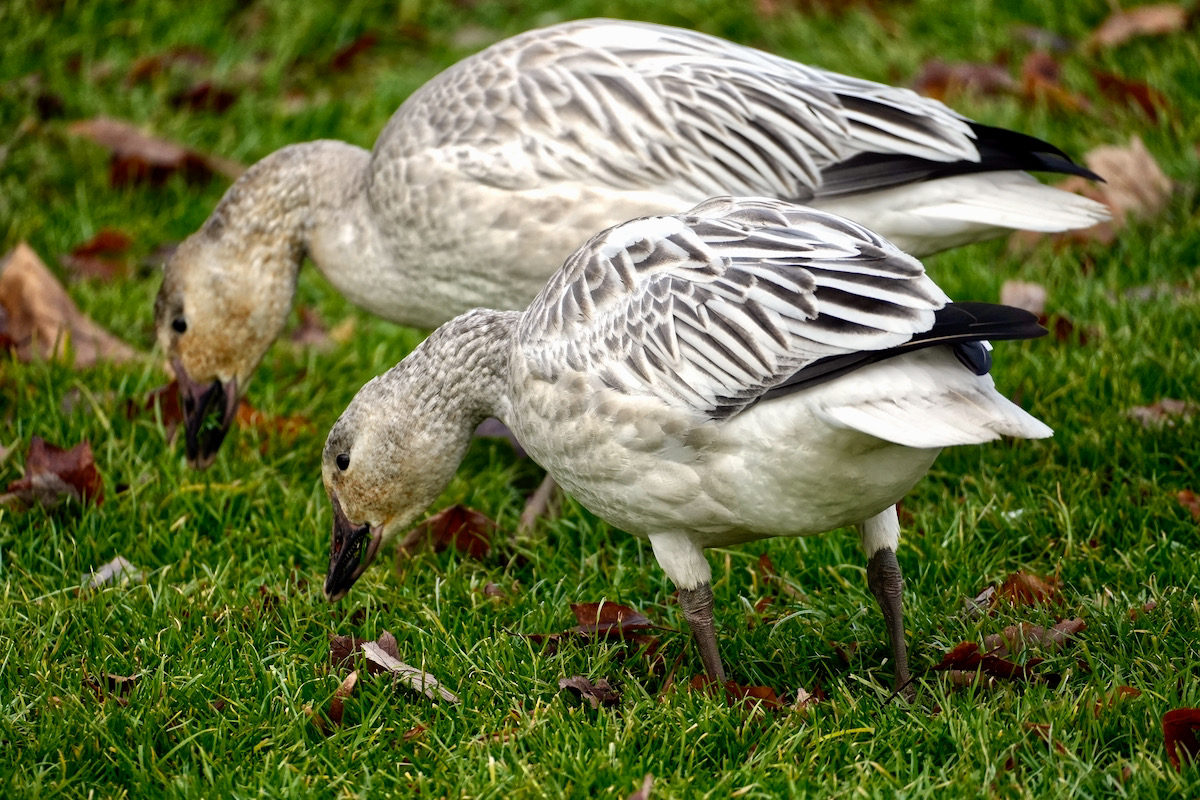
{"x": 710, "y": 309}
{"x": 637, "y": 105}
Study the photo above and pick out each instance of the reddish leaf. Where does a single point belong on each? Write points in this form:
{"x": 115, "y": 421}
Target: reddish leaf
{"x": 941, "y": 79}
{"x": 312, "y": 330}
{"x": 1152, "y": 20}
{"x": 644, "y": 792}
{"x": 1040, "y": 82}
{"x": 336, "y": 704}
{"x": 101, "y": 256}
{"x": 149, "y": 66}
{"x": 1018, "y": 637}
{"x": 163, "y": 401}
{"x": 1146, "y": 608}
{"x": 1187, "y": 498}
{"x": 1164, "y": 412}
{"x": 736, "y": 694}
{"x": 1044, "y": 732}
{"x": 598, "y": 693}
{"x": 39, "y": 320}
{"x": 52, "y": 473}
{"x": 1180, "y": 729}
{"x": 205, "y": 96}
{"x": 462, "y": 528}
{"x": 1114, "y": 697}
{"x": 1023, "y": 589}
{"x": 1132, "y": 93}
{"x": 606, "y": 619}
{"x": 494, "y": 590}
{"x": 138, "y": 158}
{"x": 345, "y": 57}
{"x": 289, "y": 426}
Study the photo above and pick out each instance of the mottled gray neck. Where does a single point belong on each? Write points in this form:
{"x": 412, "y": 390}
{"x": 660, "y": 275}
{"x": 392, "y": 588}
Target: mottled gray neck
{"x": 282, "y": 204}
{"x": 465, "y": 367}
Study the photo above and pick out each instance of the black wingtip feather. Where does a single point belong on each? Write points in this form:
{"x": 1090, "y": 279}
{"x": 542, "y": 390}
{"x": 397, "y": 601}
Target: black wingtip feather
{"x": 954, "y": 325}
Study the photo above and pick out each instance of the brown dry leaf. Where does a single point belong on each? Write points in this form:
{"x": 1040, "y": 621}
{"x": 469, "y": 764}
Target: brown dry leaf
{"x": 1044, "y": 732}
{"x": 1022, "y": 635}
{"x": 1115, "y": 697}
{"x": 1134, "y": 182}
{"x": 415, "y": 732}
{"x": 289, "y": 427}
{"x": 735, "y": 694}
{"x": 604, "y": 619}
{"x": 644, "y": 792}
{"x": 205, "y": 96}
{"x": 1040, "y": 82}
{"x": 494, "y": 590}
{"x": 981, "y": 604}
{"x": 943, "y": 79}
{"x": 1152, "y": 20}
{"x": 116, "y": 687}
{"x": 1024, "y": 589}
{"x": 342, "y": 60}
{"x": 1026, "y": 295}
{"x": 163, "y": 401}
{"x": 116, "y": 571}
{"x": 139, "y": 158}
{"x": 336, "y": 704}
{"x": 41, "y": 321}
{"x": 1165, "y": 412}
{"x": 102, "y": 256}
{"x": 1188, "y": 499}
{"x": 1180, "y": 729}
{"x": 597, "y": 694}
{"x": 311, "y": 331}
{"x": 52, "y": 473}
{"x": 462, "y": 528}
{"x": 965, "y": 658}
{"x": 1133, "y": 93}
{"x": 1146, "y": 608}
{"x": 417, "y": 679}
{"x": 149, "y": 66}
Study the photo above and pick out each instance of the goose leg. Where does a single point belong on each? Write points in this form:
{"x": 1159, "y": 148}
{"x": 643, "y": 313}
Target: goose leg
{"x": 538, "y": 505}
{"x": 880, "y": 536}
{"x": 698, "y": 611}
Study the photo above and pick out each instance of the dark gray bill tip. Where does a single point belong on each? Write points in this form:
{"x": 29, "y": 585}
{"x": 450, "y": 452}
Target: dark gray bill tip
{"x": 208, "y": 413}
{"x": 351, "y": 549}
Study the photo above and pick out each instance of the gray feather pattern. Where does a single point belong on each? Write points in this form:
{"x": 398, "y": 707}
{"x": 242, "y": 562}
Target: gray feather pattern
{"x": 711, "y": 308}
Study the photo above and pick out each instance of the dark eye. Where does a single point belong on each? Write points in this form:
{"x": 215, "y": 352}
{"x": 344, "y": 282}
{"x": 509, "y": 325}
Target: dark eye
{"x": 179, "y": 325}
{"x": 343, "y": 461}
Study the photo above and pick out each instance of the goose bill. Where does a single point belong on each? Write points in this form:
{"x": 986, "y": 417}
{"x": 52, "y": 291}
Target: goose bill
{"x": 352, "y": 548}
{"x": 208, "y": 412}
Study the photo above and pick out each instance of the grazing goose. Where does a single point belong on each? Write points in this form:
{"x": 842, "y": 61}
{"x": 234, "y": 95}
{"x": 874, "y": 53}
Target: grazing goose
{"x": 492, "y": 173}
{"x": 748, "y": 369}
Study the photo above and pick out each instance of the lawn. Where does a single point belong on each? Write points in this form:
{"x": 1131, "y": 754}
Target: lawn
{"x": 210, "y": 675}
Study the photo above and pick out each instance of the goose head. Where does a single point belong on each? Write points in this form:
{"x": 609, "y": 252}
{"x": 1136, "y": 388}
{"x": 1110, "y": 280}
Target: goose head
{"x": 224, "y": 298}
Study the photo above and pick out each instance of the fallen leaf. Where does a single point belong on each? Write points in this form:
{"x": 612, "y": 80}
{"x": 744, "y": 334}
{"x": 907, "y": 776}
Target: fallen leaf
{"x": 52, "y": 473}
{"x": 944, "y": 80}
{"x": 336, "y": 704}
{"x": 415, "y": 732}
{"x": 1180, "y": 728}
{"x": 149, "y": 66}
{"x": 1018, "y": 637}
{"x": 205, "y": 96}
{"x": 1040, "y": 83}
{"x": 115, "y": 687}
{"x": 248, "y": 416}
{"x": 1045, "y": 732}
{"x": 604, "y": 619}
{"x": 462, "y": 528}
{"x": 494, "y": 590}
{"x": 116, "y": 571}
{"x": 598, "y": 693}
{"x": 417, "y": 679}
{"x": 981, "y": 604}
{"x": 343, "y": 58}
{"x": 1132, "y": 93}
{"x": 735, "y": 694}
{"x": 139, "y": 158}
{"x": 771, "y": 575}
{"x": 966, "y": 660}
{"x": 311, "y": 331}
{"x": 1151, "y": 20}
{"x": 163, "y": 402}
{"x": 1023, "y": 589}
{"x": 41, "y": 321}
{"x": 1134, "y": 183}
{"x": 644, "y": 792}
{"x": 1114, "y": 697}
{"x": 101, "y": 256}
{"x": 1188, "y": 499}
{"x": 1146, "y": 608}
{"x": 1165, "y": 412}
{"x": 1026, "y": 295}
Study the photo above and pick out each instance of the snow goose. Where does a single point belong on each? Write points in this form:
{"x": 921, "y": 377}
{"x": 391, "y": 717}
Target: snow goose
{"x": 491, "y": 174}
{"x": 748, "y": 369}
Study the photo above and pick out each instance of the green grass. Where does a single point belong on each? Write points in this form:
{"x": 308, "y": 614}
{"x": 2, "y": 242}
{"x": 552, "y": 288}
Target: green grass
{"x": 1096, "y": 506}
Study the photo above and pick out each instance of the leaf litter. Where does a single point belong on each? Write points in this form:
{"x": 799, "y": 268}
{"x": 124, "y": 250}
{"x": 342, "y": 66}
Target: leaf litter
{"x": 382, "y": 656}
{"x": 137, "y": 157}
{"x": 53, "y": 474}
{"x": 1181, "y": 727}
{"x": 597, "y": 694}
{"x": 463, "y": 529}
{"x": 38, "y": 319}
